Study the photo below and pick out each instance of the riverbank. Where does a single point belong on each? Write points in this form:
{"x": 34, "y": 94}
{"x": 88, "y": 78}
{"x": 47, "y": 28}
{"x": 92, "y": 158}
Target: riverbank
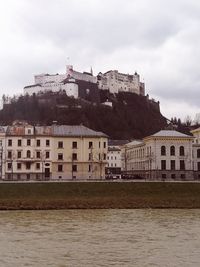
{"x": 95, "y": 195}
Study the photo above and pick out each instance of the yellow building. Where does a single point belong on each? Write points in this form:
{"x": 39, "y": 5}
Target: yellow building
{"x": 78, "y": 153}
{"x": 53, "y": 152}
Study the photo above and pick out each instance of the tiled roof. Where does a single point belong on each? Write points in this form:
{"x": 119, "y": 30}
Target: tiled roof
{"x": 68, "y": 130}
{"x": 3, "y": 129}
{"x": 135, "y": 142}
{"x": 170, "y": 133}
{"x": 113, "y": 148}
{"x": 43, "y": 130}
{"x": 117, "y": 142}
{"x": 55, "y": 130}
{"x": 195, "y": 130}
{"x": 15, "y": 130}
{"x": 32, "y": 85}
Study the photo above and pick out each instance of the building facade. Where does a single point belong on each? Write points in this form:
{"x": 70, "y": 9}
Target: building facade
{"x": 68, "y": 82}
{"x": 112, "y": 80}
{"x": 52, "y": 153}
{"x": 114, "y": 159}
{"x": 163, "y": 155}
{"x": 117, "y": 82}
{"x": 196, "y": 152}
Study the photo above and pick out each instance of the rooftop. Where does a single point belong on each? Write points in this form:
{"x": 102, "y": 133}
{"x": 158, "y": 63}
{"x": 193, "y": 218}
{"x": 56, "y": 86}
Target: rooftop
{"x": 170, "y": 133}
{"x": 77, "y": 130}
{"x": 55, "y": 130}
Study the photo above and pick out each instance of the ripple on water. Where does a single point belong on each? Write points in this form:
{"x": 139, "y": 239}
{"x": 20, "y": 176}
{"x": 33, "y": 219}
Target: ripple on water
{"x": 100, "y": 238}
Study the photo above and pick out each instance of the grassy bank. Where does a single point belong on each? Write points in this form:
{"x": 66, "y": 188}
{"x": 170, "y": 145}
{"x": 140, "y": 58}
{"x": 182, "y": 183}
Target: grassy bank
{"x": 99, "y": 195}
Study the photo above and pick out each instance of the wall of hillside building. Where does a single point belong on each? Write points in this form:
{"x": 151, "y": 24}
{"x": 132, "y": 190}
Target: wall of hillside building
{"x": 117, "y": 82}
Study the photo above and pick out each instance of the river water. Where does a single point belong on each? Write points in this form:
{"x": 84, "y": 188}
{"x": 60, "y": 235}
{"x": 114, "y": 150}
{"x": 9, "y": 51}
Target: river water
{"x": 100, "y": 238}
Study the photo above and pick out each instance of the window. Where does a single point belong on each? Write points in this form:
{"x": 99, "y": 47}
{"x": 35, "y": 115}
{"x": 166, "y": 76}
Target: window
{"x": 60, "y": 156}
{"x": 182, "y": 176}
{"x": 9, "y": 154}
{"x": 181, "y": 150}
{"x": 163, "y": 164}
{"x": 60, "y": 144}
{"x": 198, "y": 166}
{"x": 47, "y": 142}
{"x": 164, "y": 176}
{"x": 74, "y": 144}
{"x": 29, "y": 131}
{"x": 89, "y": 168}
{"x": 28, "y": 154}
{"x": 19, "y": 142}
{"x": 74, "y": 168}
{"x": 18, "y": 176}
{"x": 99, "y": 144}
{"x": 9, "y": 165}
{"x": 47, "y": 154}
{"x": 163, "y": 151}
{"x": 172, "y": 150}
{"x": 104, "y": 144}
{"x": 173, "y": 165}
{"x": 19, "y": 166}
{"x": 38, "y": 154}
{"x": 37, "y": 165}
{"x": 90, "y": 156}
{"x": 173, "y": 176}
{"x": 9, "y": 142}
{"x": 182, "y": 165}
{"x": 38, "y": 142}
{"x": 60, "y": 167}
{"x": 90, "y": 144}
{"x": 104, "y": 156}
{"x": 28, "y": 165}
{"x": 198, "y": 153}
{"x": 19, "y": 154}
{"x": 28, "y": 176}
{"x": 74, "y": 156}
{"x": 28, "y": 142}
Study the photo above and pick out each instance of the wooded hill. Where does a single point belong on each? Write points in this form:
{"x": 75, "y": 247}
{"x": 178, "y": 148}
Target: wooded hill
{"x": 131, "y": 116}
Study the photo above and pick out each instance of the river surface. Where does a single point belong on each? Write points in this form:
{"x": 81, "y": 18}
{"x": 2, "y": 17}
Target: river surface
{"x": 100, "y": 238}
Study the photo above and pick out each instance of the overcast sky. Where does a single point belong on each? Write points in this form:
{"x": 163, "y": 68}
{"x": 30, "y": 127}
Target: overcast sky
{"x": 158, "y": 39}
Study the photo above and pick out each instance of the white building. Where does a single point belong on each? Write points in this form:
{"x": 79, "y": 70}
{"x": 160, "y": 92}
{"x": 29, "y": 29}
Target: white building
{"x": 57, "y": 82}
{"x": 117, "y": 82}
{"x": 163, "y": 155}
{"x": 112, "y": 80}
{"x": 114, "y": 158}
{"x": 196, "y": 152}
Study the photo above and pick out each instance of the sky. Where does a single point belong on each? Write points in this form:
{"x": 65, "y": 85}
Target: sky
{"x": 158, "y": 39}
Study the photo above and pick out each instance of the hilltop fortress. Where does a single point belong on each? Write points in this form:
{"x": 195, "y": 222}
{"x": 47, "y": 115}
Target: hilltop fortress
{"x": 77, "y": 84}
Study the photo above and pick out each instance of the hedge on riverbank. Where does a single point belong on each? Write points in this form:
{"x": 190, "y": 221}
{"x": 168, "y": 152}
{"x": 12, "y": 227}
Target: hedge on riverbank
{"x": 89, "y": 195}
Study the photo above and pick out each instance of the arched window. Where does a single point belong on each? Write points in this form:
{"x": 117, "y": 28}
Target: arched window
{"x": 182, "y": 151}
{"x": 172, "y": 150}
{"x": 163, "y": 150}
{"x": 198, "y": 153}
{"x": 28, "y": 154}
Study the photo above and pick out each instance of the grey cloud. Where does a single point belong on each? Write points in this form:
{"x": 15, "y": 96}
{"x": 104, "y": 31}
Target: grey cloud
{"x": 158, "y": 38}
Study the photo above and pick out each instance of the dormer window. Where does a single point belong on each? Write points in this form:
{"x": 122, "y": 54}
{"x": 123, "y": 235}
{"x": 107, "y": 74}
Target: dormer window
{"x": 29, "y": 131}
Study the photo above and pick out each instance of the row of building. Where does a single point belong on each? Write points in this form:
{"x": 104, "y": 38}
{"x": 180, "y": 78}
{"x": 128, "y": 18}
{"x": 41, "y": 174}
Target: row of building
{"x": 61, "y": 152}
{"x": 72, "y": 83}
{"x": 167, "y": 154}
